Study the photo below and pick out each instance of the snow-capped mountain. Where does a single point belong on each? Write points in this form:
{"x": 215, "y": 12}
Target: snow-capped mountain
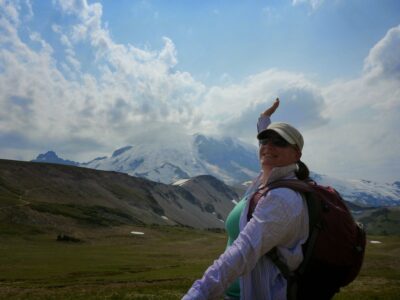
{"x": 363, "y": 192}
{"x": 225, "y": 158}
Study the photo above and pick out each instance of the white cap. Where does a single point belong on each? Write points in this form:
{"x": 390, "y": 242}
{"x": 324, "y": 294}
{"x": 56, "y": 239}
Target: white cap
{"x": 286, "y": 131}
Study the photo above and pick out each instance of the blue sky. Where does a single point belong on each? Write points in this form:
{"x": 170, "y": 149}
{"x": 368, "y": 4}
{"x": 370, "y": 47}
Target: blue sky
{"x": 86, "y": 77}
{"x": 241, "y": 38}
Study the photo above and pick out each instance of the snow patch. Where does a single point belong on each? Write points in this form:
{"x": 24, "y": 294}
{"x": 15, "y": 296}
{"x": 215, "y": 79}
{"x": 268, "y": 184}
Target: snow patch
{"x": 137, "y": 232}
{"x": 180, "y": 182}
{"x": 247, "y": 183}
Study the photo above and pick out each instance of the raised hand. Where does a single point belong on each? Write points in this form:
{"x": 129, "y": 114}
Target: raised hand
{"x": 269, "y": 111}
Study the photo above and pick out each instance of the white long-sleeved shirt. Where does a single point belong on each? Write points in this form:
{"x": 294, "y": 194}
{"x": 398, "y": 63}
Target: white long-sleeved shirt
{"x": 263, "y": 122}
{"x": 280, "y": 219}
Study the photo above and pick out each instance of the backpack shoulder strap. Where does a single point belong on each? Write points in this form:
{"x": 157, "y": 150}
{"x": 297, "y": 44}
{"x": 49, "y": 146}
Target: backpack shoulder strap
{"x": 306, "y": 188}
{"x": 294, "y": 184}
{"x": 314, "y": 208}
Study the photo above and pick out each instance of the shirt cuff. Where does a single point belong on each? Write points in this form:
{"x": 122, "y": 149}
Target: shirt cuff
{"x": 194, "y": 294}
{"x": 263, "y": 123}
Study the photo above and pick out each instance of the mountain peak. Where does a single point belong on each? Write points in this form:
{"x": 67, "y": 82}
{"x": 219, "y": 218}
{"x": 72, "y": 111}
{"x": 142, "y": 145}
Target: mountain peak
{"x": 48, "y": 155}
{"x": 52, "y": 157}
{"x": 397, "y": 184}
{"x": 121, "y": 150}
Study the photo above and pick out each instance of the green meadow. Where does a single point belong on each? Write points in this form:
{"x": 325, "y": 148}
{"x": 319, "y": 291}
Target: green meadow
{"x": 112, "y": 263}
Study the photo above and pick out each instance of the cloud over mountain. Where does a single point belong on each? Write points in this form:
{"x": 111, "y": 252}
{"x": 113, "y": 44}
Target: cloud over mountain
{"x": 302, "y": 103}
{"x": 135, "y": 88}
{"x": 76, "y": 89}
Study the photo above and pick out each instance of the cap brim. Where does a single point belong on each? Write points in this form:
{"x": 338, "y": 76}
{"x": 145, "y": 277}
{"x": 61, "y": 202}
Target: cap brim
{"x": 286, "y": 137}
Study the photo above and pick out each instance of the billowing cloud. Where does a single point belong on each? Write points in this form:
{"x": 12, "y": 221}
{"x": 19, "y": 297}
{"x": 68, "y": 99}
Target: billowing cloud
{"x": 350, "y": 127}
{"x": 362, "y": 138}
{"x": 85, "y": 104}
{"x": 46, "y": 95}
{"x": 384, "y": 59}
{"x": 234, "y": 109}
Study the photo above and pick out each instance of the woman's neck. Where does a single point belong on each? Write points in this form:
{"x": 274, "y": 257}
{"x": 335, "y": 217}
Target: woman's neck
{"x": 276, "y": 173}
{"x": 266, "y": 174}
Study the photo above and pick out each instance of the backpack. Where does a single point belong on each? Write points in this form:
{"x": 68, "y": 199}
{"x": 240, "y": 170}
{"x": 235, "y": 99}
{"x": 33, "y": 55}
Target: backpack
{"x": 334, "y": 251}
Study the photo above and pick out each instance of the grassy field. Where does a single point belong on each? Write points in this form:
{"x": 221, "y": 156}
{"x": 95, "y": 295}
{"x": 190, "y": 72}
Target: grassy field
{"x": 161, "y": 264}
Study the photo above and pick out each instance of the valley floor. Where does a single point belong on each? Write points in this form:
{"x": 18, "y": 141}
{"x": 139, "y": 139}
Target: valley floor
{"x": 162, "y": 263}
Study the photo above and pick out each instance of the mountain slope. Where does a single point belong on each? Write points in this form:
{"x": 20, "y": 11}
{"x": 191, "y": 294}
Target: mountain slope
{"x": 215, "y": 193}
{"x": 381, "y": 221}
{"x": 225, "y": 158}
{"x": 60, "y": 196}
{"x": 363, "y": 192}
{"x": 228, "y": 160}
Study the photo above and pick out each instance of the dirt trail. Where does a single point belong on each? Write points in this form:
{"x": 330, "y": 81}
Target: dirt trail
{"x": 21, "y": 200}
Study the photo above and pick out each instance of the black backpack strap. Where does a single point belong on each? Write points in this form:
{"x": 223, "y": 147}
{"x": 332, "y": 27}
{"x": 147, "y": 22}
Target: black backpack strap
{"x": 291, "y": 277}
{"x": 314, "y": 213}
{"x": 273, "y": 255}
{"x": 314, "y": 216}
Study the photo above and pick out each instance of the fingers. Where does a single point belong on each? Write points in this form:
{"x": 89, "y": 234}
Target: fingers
{"x": 272, "y": 108}
{"x": 276, "y": 104}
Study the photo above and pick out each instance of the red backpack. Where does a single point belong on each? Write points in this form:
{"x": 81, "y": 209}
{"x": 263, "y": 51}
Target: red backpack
{"x": 334, "y": 251}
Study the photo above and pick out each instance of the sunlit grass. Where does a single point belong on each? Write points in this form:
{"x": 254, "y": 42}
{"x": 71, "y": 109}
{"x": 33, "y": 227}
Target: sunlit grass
{"x": 109, "y": 264}
{"x": 380, "y": 275}
{"x": 161, "y": 264}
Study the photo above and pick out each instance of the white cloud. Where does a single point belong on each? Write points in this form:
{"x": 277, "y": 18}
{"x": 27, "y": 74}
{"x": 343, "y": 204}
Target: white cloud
{"x": 350, "y": 127}
{"x": 77, "y": 7}
{"x": 362, "y": 138}
{"x": 10, "y": 11}
{"x": 234, "y": 109}
{"x": 314, "y": 4}
{"x": 383, "y": 59}
{"x": 29, "y": 15}
{"x": 50, "y": 100}
{"x": 136, "y": 87}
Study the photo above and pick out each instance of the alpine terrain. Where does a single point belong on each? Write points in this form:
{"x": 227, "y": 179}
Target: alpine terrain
{"x": 225, "y": 158}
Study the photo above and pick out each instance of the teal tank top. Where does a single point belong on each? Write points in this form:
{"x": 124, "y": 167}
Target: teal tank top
{"x": 232, "y": 228}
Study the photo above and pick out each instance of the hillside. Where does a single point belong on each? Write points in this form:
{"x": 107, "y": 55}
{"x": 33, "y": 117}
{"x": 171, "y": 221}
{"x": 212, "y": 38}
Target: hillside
{"x": 213, "y": 191}
{"x": 227, "y": 159}
{"x": 382, "y": 221}
{"x": 41, "y": 196}
{"x": 61, "y": 197}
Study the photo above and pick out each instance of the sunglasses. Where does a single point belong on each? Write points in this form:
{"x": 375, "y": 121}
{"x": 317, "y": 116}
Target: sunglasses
{"x": 275, "y": 141}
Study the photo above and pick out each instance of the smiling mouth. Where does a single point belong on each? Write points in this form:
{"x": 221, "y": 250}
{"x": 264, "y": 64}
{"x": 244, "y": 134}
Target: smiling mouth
{"x": 269, "y": 156}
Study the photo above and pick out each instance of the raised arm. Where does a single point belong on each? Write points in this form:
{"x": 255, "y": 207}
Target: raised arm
{"x": 264, "y": 120}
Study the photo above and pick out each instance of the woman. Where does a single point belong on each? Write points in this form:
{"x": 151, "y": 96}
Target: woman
{"x": 232, "y": 221}
{"x": 276, "y": 219}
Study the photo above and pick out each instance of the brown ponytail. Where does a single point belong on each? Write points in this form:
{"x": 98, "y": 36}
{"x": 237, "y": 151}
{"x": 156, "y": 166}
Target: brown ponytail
{"x": 303, "y": 172}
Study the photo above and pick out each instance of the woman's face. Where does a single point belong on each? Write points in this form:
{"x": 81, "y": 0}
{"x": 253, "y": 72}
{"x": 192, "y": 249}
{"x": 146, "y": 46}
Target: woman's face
{"x": 275, "y": 153}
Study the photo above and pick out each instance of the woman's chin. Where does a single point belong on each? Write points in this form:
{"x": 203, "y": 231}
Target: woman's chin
{"x": 267, "y": 164}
